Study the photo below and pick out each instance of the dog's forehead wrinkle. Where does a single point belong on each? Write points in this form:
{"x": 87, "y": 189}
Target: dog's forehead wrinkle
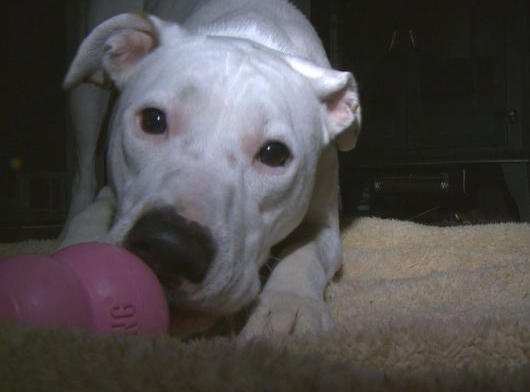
{"x": 218, "y": 82}
{"x": 230, "y": 60}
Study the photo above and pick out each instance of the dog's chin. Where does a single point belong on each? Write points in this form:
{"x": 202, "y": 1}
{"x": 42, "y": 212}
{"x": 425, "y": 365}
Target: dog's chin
{"x": 187, "y": 323}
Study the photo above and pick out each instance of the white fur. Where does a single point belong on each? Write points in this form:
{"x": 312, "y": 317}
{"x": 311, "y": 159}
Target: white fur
{"x": 231, "y": 76}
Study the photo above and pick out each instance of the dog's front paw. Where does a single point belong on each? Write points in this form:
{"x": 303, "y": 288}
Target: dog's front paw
{"x": 287, "y": 313}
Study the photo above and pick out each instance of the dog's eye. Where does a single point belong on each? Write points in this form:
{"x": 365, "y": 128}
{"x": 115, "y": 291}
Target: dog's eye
{"x": 274, "y": 154}
{"x": 153, "y": 121}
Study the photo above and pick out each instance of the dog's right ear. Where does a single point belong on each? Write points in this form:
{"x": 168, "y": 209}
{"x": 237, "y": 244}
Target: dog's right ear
{"x": 110, "y": 51}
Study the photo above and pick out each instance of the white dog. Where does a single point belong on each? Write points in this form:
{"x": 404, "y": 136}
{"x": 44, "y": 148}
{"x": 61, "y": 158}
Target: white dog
{"x": 222, "y": 144}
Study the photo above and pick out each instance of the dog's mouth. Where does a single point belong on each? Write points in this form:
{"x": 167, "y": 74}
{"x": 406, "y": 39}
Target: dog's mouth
{"x": 180, "y": 253}
{"x": 186, "y": 318}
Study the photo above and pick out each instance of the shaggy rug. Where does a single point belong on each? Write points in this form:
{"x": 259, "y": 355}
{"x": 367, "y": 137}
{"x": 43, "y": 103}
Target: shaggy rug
{"x": 418, "y": 308}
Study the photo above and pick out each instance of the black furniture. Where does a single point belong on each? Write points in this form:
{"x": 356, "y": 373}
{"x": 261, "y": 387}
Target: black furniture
{"x": 444, "y": 86}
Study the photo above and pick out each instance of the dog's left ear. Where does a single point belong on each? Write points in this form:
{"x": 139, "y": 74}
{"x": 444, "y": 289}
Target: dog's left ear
{"x": 338, "y": 93}
{"x": 108, "y": 54}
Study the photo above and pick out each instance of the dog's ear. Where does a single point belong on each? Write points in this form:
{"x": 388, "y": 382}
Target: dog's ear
{"x": 338, "y": 93}
{"x": 108, "y": 53}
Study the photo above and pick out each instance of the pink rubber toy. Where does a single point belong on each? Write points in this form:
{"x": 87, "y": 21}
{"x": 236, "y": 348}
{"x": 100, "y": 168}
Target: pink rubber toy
{"x": 91, "y": 285}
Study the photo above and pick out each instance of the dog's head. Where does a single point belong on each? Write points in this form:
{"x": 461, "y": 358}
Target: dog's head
{"x": 214, "y": 145}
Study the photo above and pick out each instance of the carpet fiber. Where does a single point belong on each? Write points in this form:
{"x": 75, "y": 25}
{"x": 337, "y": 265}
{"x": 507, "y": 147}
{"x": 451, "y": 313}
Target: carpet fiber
{"x": 417, "y": 307}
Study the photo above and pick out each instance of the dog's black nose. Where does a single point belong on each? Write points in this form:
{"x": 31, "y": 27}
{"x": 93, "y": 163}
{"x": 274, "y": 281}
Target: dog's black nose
{"x": 173, "y": 247}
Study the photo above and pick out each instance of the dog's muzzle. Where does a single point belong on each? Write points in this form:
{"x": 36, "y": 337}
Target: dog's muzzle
{"x": 176, "y": 249}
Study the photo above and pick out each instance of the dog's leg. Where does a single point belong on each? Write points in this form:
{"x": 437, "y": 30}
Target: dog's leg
{"x": 92, "y": 223}
{"x": 88, "y": 104}
{"x": 292, "y": 300}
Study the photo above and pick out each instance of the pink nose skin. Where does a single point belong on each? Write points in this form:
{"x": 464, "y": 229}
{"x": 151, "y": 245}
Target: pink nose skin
{"x": 92, "y": 285}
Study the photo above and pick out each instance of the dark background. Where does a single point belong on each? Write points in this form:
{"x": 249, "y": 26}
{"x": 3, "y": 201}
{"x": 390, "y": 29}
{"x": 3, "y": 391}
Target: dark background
{"x": 33, "y": 118}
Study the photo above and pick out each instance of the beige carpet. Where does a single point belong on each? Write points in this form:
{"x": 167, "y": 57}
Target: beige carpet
{"x": 419, "y": 309}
